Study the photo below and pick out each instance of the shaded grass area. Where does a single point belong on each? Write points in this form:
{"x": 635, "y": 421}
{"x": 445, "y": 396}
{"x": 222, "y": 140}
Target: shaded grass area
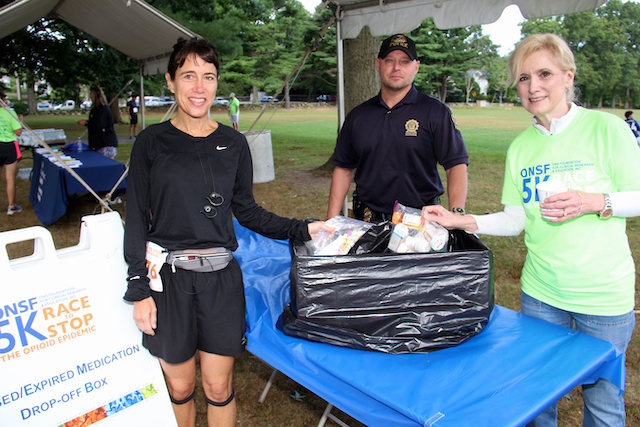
{"x": 303, "y": 140}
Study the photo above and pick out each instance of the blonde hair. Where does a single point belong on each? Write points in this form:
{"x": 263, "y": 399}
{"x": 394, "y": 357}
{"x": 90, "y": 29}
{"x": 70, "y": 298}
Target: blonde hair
{"x": 97, "y": 96}
{"x": 550, "y": 42}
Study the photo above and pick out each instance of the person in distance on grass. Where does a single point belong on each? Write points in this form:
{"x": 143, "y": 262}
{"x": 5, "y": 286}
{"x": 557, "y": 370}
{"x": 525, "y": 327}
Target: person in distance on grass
{"x": 635, "y": 127}
{"x": 234, "y": 111}
{"x": 102, "y": 134}
{"x": 395, "y": 141}
{"x": 10, "y": 127}
{"x": 579, "y": 272}
{"x": 132, "y": 108}
{"x": 189, "y": 176}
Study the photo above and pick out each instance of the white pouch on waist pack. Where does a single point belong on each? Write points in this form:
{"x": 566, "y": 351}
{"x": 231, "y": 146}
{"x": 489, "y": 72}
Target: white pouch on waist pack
{"x": 200, "y": 260}
{"x": 156, "y": 257}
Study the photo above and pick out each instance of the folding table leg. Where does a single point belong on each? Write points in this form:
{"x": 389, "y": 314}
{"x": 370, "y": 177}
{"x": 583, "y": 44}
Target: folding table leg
{"x": 327, "y": 414}
{"x": 268, "y": 386}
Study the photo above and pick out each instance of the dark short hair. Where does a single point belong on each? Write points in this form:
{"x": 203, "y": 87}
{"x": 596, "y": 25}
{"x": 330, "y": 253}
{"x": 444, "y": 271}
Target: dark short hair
{"x": 628, "y": 114}
{"x": 195, "y": 46}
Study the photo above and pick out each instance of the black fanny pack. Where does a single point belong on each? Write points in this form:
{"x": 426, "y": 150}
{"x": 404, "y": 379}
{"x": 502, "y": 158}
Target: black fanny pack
{"x": 200, "y": 260}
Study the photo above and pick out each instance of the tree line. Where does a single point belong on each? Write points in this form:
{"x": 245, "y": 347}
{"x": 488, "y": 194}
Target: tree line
{"x": 261, "y": 41}
{"x": 606, "y": 44}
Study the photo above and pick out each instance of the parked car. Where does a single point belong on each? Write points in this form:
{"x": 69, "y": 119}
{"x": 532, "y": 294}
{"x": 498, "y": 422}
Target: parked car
{"x": 167, "y": 100}
{"x": 152, "y": 101}
{"x": 326, "y": 98}
{"x": 66, "y": 105}
{"x": 268, "y": 99}
{"x": 85, "y": 105}
{"x": 220, "y": 101}
{"x": 44, "y": 106}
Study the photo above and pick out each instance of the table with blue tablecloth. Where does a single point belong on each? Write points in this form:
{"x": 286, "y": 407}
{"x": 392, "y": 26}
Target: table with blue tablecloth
{"x": 51, "y": 184}
{"x": 504, "y": 376}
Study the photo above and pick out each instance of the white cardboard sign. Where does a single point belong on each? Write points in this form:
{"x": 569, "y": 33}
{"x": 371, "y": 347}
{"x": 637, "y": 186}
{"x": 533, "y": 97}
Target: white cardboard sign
{"x": 70, "y": 353}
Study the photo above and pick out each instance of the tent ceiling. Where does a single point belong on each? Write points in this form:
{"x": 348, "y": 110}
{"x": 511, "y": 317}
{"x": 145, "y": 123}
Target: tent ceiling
{"x": 401, "y": 16}
{"x": 133, "y": 27}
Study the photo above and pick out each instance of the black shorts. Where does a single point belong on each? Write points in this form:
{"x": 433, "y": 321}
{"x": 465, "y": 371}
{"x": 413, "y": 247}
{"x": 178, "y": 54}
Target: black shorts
{"x": 198, "y": 311}
{"x": 8, "y": 153}
{"x": 133, "y": 120}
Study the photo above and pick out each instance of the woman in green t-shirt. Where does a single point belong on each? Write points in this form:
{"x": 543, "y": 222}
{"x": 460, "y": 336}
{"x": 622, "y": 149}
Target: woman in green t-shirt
{"x": 579, "y": 272}
{"x": 10, "y": 127}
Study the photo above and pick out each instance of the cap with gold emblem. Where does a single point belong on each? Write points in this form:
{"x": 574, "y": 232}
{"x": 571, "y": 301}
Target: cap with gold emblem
{"x": 398, "y": 42}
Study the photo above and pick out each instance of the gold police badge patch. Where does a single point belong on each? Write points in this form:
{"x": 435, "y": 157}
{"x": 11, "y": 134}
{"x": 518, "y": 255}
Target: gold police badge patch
{"x": 455, "y": 122}
{"x": 411, "y": 127}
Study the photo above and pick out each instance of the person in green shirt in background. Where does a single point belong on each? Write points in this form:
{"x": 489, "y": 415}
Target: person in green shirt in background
{"x": 234, "y": 110}
{"x": 10, "y": 127}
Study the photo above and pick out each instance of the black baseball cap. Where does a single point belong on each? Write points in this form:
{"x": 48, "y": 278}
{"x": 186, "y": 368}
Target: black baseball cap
{"x": 398, "y": 42}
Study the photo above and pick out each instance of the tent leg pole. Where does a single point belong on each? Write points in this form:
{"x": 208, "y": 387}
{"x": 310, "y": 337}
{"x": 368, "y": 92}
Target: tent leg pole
{"x": 141, "y": 97}
{"x": 340, "y": 53}
{"x": 341, "y": 107}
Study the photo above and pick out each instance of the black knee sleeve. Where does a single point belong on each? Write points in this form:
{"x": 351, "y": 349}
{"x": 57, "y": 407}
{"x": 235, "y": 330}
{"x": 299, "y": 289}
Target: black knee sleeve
{"x": 225, "y": 403}
{"x": 182, "y": 402}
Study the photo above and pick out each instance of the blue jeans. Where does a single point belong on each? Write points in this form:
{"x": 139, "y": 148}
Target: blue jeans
{"x": 603, "y": 404}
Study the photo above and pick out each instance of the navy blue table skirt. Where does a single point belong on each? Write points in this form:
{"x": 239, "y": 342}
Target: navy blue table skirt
{"x": 51, "y": 184}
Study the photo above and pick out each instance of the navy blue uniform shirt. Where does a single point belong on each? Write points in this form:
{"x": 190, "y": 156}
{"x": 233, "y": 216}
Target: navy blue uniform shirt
{"x": 396, "y": 151}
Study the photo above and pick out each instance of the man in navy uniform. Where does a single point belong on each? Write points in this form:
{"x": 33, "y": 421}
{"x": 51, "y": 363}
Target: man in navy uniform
{"x": 395, "y": 141}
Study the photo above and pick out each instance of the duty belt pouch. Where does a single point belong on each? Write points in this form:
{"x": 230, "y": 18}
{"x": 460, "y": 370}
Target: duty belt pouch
{"x": 357, "y": 205}
{"x": 200, "y": 260}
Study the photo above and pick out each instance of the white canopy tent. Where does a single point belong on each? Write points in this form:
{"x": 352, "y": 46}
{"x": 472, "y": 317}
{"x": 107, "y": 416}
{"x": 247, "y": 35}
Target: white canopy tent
{"x": 132, "y": 27}
{"x": 145, "y": 34}
{"x": 401, "y": 16}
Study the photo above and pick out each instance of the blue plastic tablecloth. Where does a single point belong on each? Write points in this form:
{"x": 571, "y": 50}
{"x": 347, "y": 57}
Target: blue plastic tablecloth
{"x": 505, "y": 376}
{"x": 50, "y": 184}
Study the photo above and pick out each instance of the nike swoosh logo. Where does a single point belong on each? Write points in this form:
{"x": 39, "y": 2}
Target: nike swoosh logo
{"x": 220, "y": 148}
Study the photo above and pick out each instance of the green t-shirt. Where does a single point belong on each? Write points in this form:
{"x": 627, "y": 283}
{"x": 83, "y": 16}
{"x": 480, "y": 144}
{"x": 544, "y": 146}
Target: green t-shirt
{"x": 233, "y": 106}
{"x": 8, "y": 123}
{"x": 582, "y": 265}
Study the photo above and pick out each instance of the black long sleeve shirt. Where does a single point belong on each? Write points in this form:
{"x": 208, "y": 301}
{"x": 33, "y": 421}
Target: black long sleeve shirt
{"x": 171, "y": 175}
{"x": 101, "y": 130}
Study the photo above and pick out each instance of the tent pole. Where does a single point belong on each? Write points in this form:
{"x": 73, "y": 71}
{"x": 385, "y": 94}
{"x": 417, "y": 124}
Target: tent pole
{"x": 341, "y": 115}
{"x": 340, "y": 52}
{"x": 141, "y": 96}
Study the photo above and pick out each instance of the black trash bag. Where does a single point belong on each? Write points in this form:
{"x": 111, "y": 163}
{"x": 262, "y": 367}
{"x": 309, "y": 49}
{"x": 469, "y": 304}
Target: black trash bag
{"x": 392, "y": 303}
{"x": 374, "y": 240}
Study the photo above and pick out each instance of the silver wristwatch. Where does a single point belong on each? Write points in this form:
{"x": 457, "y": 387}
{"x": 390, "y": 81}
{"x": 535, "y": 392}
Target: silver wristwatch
{"x": 607, "y": 211}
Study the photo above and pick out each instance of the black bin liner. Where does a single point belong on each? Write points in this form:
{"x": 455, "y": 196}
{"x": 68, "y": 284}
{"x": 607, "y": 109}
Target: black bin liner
{"x": 392, "y": 303}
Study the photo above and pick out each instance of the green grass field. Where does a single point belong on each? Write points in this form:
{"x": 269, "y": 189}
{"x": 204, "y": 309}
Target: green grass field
{"x": 303, "y": 140}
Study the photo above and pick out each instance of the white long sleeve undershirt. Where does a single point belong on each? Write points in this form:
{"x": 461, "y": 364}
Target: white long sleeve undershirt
{"x": 511, "y": 221}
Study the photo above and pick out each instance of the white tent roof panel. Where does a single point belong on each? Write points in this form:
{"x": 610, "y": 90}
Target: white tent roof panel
{"x": 131, "y": 26}
{"x": 401, "y": 16}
